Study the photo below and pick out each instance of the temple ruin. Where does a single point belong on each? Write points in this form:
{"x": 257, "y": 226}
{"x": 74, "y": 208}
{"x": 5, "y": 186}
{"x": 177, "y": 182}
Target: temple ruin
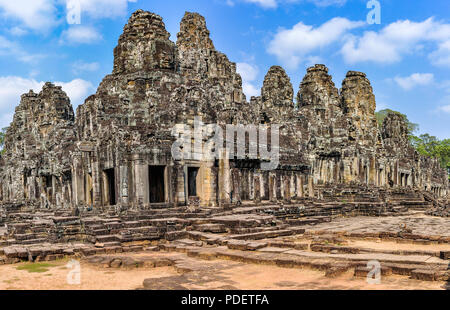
{"x": 104, "y": 180}
{"x": 117, "y": 150}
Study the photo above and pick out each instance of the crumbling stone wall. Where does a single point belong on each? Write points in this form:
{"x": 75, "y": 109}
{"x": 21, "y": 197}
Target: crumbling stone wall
{"x": 36, "y": 165}
{"x": 117, "y": 151}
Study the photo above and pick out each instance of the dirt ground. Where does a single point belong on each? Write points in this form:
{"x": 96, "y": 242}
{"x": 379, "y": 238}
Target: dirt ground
{"x": 222, "y": 275}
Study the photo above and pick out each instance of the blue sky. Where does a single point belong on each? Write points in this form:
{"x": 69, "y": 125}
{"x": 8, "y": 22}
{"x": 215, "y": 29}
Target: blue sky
{"x": 406, "y": 57}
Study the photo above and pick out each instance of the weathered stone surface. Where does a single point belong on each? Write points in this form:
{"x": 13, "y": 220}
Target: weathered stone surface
{"x": 277, "y": 95}
{"x": 36, "y": 162}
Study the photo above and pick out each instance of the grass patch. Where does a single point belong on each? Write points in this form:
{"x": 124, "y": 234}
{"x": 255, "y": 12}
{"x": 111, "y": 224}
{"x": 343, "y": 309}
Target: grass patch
{"x": 35, "y": 267}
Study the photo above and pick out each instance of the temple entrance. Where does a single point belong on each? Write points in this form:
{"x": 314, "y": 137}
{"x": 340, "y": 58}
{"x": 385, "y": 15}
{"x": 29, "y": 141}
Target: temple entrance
{"x": 192, "y": 181}
{"x": 156, "y": 184}
{"x": 110, "y": 178}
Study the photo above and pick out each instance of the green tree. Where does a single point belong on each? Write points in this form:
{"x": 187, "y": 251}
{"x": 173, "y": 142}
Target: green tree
{"x": 431, "y": 146}
{"x": 426, "y": 144}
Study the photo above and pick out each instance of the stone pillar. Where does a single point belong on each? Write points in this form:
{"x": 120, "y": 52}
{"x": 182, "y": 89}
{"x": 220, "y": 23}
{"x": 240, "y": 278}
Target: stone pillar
{"x": 310, "y": 187}
{"x": 262, "y": 185}
{"x": 257, "y": 182}
{"x": 300, "y": 193}
{"x": 96, "y": 183}
{"x": 78, "y": 180}
{"x": 287, "y": 188}
{"x": 372, "y": 171}
{"x": 123, "y": 186}
{"x": 206, "y": 184}
{"x": 292, "y": 185}
{"x": 279, "y": 186}
{"x": 251, "y": 185}
{"x": 180, "y": 185}
{"x": 224, "y": 177}
{"x": 141, "y": 179}
{"x": 32, "y": 186}
{"x": 236, "y": 184}
{"x": 396, "y": 174}
{"x": 272, "y": 188}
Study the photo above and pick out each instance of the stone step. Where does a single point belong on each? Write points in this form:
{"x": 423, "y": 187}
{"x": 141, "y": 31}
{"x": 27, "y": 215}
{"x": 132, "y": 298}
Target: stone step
{"x": 99, "y": 232}
{"x": 211, "y": 228}
{"x": 138, "y": 237}
{"x": 107, "y": 238}
{"x": 34, "y": 241}
{"x": 263, "y": 235}
{"x": 385, "y": 258}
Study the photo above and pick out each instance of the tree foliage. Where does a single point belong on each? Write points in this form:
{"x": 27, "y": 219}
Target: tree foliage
{"x": 433, "y": 147}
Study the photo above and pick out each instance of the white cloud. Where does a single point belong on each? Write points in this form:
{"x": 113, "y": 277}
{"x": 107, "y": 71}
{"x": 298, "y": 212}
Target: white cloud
{"x": 445, "y": 108}
{"x": 43, "y": 15}
{"x": 80, "y": 35}
{"x": 416, "y": 79}
{"x": 38, "y": 15}
{"x": 441, "y": 57}
{"x": 250, "y": 90}
{"x": 12, "y": 87}
{"x": 391, "y": 43}
{"x": 249, "y": 73}
{"x": 292, "y": 46}
{"x": 77, "y": 90}
{"x": 81, "y": 66}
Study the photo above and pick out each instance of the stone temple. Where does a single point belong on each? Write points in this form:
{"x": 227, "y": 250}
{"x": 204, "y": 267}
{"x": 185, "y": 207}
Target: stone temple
{"x": 116, "y": 151}
{"x": 113, "y": 156}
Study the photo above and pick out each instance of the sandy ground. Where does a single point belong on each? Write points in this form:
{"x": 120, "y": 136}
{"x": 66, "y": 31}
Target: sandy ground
{"x": 226, "y": 275}
{"x": 394, "y": 246}
{"x": 92, "y": 278}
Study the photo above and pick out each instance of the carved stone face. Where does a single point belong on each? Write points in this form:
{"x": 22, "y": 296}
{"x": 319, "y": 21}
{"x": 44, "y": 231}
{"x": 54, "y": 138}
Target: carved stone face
{"x": 164, "y": 55}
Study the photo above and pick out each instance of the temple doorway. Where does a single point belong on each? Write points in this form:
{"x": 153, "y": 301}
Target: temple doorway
{"x": 110, "y": 178}
{"x": 156, "y": 184}
{"x": 192, "y": 181}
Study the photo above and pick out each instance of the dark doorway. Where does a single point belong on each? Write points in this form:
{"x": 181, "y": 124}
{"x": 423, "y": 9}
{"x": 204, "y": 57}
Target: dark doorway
{"x": 156, "y": 184}
{"x": 192, "y": 181}
{"x": 111, "y": 186}
{"x": 48, "y": 181}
